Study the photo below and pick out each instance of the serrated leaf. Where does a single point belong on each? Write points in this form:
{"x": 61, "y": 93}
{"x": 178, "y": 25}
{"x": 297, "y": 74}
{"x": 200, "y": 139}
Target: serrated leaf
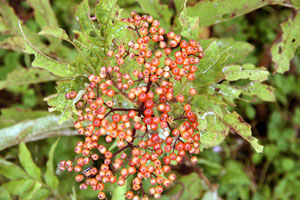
{"x": 29, "y": 195}
{"x": 210, "y": 67}
{"x": 190, "y": 25}
{"x": 283, "y": 51}
{"x": 43, "y": 61}
{"x": 50, "y": 178}
{"x": 260, "y": 90}
{"x": 88, "y": 28}
{"x": 27, "y": 162}
{"x": 159, "y": 11}
{"x": 213, "y": 12}
{"x": 237, "y": 125}
{"x": 36, "y": 129}
{"x": 208, "y": 103}
{"x": 18, "y": 187}
{"x": 24, "y": 76}
{"x": 237, "y": 50}
{"x": 4, "y": 194}
{"x": 246, "y": 71}
{"x": 228, "y": 92}
{"x": 215, "y": 132}
{"x": 55, "y": 32}
{"x": 11, "y": 171}
{"x": 59, "y": 102}
{"x": 105, "y": 12}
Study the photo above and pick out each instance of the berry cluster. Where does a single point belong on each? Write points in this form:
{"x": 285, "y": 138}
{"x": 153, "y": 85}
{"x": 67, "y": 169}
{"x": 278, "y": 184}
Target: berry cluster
{"x": 148, "y": 135}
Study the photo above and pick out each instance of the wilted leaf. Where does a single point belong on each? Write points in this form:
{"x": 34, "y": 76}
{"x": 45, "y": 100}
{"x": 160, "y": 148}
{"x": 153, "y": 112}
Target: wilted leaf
{"x": 36, "y": 129}
{"x": 28, "y": 163}
{"x": 210, "y": 67}
{"x": 237, "y": 125}
{"x": 237, "y": 50}
{"x": 50, "y": 178}
{"x": 24, "y": 76}
{"x": 11, "y": 171}
{"x": 283, "y": 52}
{"x": 246, "y": 71}
{"x": 259, "y": 90}
{"x": 18, "y": 187}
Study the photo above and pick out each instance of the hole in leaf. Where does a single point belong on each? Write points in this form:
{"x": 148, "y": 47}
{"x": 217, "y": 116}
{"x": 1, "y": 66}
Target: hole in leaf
{"x": 293, "y": 40}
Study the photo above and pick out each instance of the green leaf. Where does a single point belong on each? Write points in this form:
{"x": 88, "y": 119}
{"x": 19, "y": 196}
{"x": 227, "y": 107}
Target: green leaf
{"x": 88, "y": 28}
{"x": 179, "y": 4}
{"x": 213, "y": 12}
{"x": 24, "y": 76}
{"x": 158, "y": 11}
{"x": 18, "y": 187}
{"x": 55, "y": 32}
{"x": 50, "y": 178}
{"x": 43, "y": 13}
{"x": 210, "y": 195}
{"x": 8, "y": 115}
{"x": 228, "y": 92}
{"x": 43, "y": 61}
{"x": 190, "y": 25}
{"x": 120, "y": 191}
{"x": 15, "y": 43}
{"x": 10, "y": 170}
{"x": 237, "y": 125}
{"x": 246, "y": 71}
{"x": 283, "y": 51}
{"x": 27, "y": 162}
{"x": 105, "y": 11}
{"x": 36, "y": 129}
{"x": 41, "y": 194}
{"x": 262, "y": 91}
{"x": 58, "y": 102}
{"x": 29, "y": 195}
{"x": 237, "y": 50}
{"x": 235, "y": 175}
{"x": 44, "y": 16}
{"x": 208, "y": 103}
{"x": 186, "y": 187}
{"x": 215, "y": 132}
{"x": 210, "y": 67}
{"x": 4, "y": 194}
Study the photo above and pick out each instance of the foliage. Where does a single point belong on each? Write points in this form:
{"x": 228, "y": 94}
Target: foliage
{"x": 227, "y": 80}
